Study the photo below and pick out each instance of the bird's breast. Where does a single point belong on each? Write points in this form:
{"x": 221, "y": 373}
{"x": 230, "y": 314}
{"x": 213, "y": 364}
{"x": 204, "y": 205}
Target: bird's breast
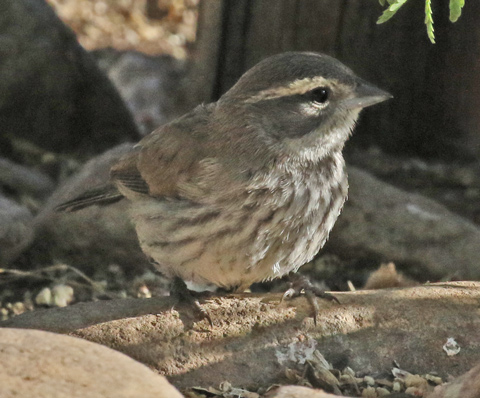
{"x": 279, "y": 222}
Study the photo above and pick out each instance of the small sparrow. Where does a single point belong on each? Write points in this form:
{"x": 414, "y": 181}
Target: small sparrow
{"x": 248, "y": 188}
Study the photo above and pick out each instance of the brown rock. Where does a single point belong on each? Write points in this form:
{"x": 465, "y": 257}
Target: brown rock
{"x": 41, "y": 364}
{"x": 465, "y": 386}
{"x": 255, "y": 338}
{"x": 387, "y": 276}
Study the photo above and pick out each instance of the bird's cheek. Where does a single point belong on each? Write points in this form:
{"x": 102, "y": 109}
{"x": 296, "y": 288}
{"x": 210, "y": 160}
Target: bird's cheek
{"x": 344, "y": 118}
{"x": 308, "y": 110}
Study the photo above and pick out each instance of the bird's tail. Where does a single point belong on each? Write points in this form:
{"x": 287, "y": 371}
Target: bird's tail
{"x": 102, "y": 196}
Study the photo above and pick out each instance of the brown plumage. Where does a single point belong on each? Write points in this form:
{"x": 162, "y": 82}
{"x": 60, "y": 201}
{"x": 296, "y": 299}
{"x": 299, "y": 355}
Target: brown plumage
{"x": 249, "y": 187}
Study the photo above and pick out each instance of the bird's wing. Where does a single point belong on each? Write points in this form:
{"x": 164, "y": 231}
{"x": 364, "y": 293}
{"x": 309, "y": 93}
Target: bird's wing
{"x": 167, "y": 162}
{"x": 103, "y": 195}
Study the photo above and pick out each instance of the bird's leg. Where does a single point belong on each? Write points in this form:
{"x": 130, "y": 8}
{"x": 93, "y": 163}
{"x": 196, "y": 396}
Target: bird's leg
{"x": 300, "y": 283}
{"x": 181, "y": 293}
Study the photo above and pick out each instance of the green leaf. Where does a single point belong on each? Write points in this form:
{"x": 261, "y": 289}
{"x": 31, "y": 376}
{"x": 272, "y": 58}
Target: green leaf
{"x": 391, "y": 10}
{"x": 429, "y": 20}
{"x": 382, "y": 2}
{"x": 456, "y": 9}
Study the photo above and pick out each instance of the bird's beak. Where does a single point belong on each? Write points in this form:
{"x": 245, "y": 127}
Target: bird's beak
{"x": 366, "y": 94}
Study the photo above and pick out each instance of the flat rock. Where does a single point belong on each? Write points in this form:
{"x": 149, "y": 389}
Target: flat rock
{"x": 41, "y": 364}
{"x": 255, "y": 338}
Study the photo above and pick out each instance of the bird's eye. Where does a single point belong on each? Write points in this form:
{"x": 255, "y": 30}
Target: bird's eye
{"x": 319, "y": 95}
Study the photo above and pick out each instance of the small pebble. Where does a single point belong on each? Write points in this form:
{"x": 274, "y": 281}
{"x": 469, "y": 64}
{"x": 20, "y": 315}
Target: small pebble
{"x": 248, "y": 394}
{"x": 414, "y": 391}
{"x": 382, "y": 391}
{"x": 384, "y": 383}
{"x": 18, "y": 308}
{"x": 349, "y": 371}
{"x": 144, "y": 292}
{"x": 44, "y": 297}
{"x": 347, "y": 379}
{"x": 451, "y": 347}
{"x": 434, "y": 379}
{"x": 416, "y": 381}
{"x": 3, "y": 314}
{"x": 369, "y": 380}
{"x": 62, "y": 295}
{"x": 369, "y": 392}
{"x": 225, "y": 386}
{"x": 397, "y": 386}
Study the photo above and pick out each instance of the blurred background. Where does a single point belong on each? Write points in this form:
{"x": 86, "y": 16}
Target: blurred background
{"x": 81, "y": 79}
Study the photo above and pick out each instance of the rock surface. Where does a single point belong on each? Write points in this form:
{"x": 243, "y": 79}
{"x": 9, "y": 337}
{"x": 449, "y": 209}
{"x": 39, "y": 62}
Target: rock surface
{"x": 465, "y": 386}
{"x": 40, "y": 364}
{"x": 51, "y": 91}
{"x": 149, "y": 85}
{"x": 254, "y": 338}
{"x": 94, "y": 236}
{"x": 24, "y": 179}
{"x": 16, "y": 229}
{"x": 383, "y": 223}
{"x": 299, "y": 392}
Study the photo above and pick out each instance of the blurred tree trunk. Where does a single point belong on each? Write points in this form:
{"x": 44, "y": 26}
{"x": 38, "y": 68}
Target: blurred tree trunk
{"x": 436, "y": 87}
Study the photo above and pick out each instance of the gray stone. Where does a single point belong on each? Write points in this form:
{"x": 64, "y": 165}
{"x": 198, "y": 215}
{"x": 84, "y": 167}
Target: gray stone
{"x": 91, "y": 237}
{"x": 51, "y": 91}
{"x": 16, "y": 229}
{"x": 24, "y": 179}
{"x": 149, "y": 85}
{"x": 383, "y": 223}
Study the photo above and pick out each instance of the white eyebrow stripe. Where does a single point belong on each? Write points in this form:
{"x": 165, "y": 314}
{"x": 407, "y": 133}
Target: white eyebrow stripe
{"x": 299, "y": 86}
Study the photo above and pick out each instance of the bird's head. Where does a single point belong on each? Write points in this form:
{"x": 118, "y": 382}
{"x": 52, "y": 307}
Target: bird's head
{"x": 304, "y": 103}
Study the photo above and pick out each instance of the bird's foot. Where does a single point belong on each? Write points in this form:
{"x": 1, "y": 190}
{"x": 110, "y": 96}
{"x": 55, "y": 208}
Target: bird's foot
{"x": 190, "y": 298}
{"x": 301, "y": 284}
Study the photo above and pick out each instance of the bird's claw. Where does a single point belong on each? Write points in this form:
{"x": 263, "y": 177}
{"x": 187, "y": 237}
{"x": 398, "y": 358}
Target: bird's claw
{"x": 300, "y": 284}
{"x": 201, "y": 313}
{"x": 180, "y": 291}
